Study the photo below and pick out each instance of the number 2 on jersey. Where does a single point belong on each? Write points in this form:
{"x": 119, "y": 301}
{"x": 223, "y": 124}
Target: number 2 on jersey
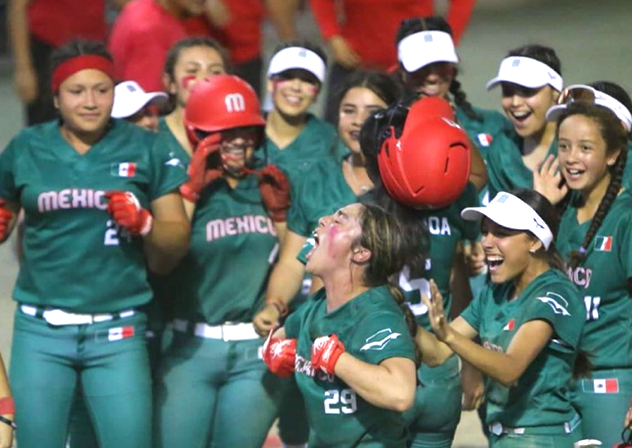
{"x": 112, "y": 234}
{"x": 343, "y": 401}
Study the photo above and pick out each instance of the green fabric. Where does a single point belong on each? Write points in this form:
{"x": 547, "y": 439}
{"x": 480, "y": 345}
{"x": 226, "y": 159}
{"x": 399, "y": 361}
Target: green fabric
{"x": 562, "y": 440}
{"x": 603, "y": 281}
{"x": 483, "y": 132}
{"x": 317, "y": 141}
{"x": 48, "y": 362}
{"x": 233, "y": 245}
{"x": 505, "y": 168}
{"x": 72, "y": 248}
{"x": 320, "y": 194}
{"x": 541, "y": 395}
{"x": 602, "y": 413}
{"x": 215, "y": 393}
{"x": 627, "y": 173}
{"x": 338, "y": 416}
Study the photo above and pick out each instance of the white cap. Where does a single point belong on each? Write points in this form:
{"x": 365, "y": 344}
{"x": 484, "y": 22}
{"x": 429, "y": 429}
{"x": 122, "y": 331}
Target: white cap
{"x": 297, "y": 58}
{"x": 129, "y": 98}
{"x": 424, "y": 48}
{"x": 512, "y": 212}
{"x": 601, "y": 99}
{"x": 526, "y": 72}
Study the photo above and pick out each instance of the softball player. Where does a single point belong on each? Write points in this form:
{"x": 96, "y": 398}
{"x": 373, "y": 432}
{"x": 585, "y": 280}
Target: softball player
{"x": 350, "y": 344}
{"x": 428, "y": 66}
{"x": 529, "y": 319}
{"x": 594, "y": 238}
{"x": 531, "y": 82}
{"x": 87, "y": 184}
{"x": 212, "y": 387}
{"x": 294, "y": 137}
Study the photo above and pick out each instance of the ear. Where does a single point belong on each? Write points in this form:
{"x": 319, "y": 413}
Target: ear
{"x": 269, "y": 86}
{"x": 536, "y": 245}
{"x": 612, "y": 159}
{"x": 360, "y": 255}
{"x": 556, "y": 94}
{"x": 169, "y": 84}
{"x": 56, "y": 101}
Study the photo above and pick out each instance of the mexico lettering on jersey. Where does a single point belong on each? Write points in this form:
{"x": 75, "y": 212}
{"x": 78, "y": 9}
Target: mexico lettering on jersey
{"x": 304, "y": 366}
{"x": 71, "y": 198}
{"x": 580, "y": 276}
{"x": 221, "y": 228}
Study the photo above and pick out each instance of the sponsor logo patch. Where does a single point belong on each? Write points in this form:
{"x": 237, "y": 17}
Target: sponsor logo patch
{"x": 379, "y": 340}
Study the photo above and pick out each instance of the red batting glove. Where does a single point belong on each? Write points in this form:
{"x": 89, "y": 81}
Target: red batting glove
{"x": 127, "y": 212}
{"x": 5, "y": 218}
{"x": 200, "y": 173}
{"x": 274, "y": 187}
{"x": 279, "y": 355}
{"x": 325, "y": 353}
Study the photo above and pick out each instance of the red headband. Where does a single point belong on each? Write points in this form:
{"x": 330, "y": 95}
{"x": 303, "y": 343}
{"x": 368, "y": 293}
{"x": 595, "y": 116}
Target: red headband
{"x": 71, "y": 66}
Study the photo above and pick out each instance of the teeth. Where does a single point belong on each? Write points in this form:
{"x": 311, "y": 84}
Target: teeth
{"x": 574, "y": 172}
{"x": 520, "y": 115}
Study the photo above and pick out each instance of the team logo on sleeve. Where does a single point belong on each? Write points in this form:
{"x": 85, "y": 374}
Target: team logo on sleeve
{"x": 127, "y": 169}
{"x": 379, "y": 340}
{"x": 557, "y": 303}
{"x": 510, "y": 325}
{"x": 485, "y": 139}
{"x": 603, "y": 243}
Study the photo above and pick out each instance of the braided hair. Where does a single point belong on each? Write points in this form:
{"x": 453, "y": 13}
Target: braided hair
{"x": 616, "y": 139}
{"x": 437, "y": 23}
{"x": 392, "y": 248}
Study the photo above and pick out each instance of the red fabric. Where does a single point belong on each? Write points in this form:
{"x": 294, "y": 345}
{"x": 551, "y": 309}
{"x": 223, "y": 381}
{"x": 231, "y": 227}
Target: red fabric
{"x": 243, "y": 35}
{"x": 71, "y": 66}
{"x": 380, "y": 19}
{"x": 59, "y": 21}
{"x": 141, "y": 38}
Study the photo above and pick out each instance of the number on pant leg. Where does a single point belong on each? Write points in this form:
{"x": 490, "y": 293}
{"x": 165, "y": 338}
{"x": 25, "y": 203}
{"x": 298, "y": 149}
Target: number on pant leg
{"x": 343, "y": 401}
{"x": 592, "y": 307}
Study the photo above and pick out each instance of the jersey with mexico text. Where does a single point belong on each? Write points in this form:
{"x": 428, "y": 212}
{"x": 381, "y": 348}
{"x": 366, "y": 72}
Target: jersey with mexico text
{"x": 224, "y": 276}
{"x": 541, "y": 395}
{"x": 603, "y": 279}
{"x": 75, "y": 256}
{"x": 372, "y": 328}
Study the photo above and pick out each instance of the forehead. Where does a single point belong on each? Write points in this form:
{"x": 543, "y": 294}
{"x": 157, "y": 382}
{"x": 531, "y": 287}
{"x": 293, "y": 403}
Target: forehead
{"x": 362, "y": 95}
{"x": 352, "y": 210}
{"x": 579, "y": 126}
{"x": 88, "y": 76}
{"x": 200, "y": 54}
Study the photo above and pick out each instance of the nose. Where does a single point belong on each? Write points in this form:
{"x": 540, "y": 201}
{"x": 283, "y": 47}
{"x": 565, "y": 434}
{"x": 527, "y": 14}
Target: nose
{"x": 487, "y": 240}
{"x": 90, "y": 99}
{"x": 322, "y": 222}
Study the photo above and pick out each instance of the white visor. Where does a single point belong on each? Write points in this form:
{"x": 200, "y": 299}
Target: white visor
{"x": 425, "y": 48}
{"x": 513, "y": 213}
{"x": 601, "y": 99}
{"x": 129, "y": 98}
{"x": 526, "y": 72}
{"x": 297, "y": 58}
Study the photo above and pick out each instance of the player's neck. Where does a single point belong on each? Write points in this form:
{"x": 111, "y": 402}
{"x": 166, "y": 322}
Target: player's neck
{"x": 537, "y": 267}
{"x": 175, "y": 123}
{"x": 538, "y": 144}
{"x": 283, "y": 129}
{"x": 81, "y": 141}
{"x": 341, "y": 288}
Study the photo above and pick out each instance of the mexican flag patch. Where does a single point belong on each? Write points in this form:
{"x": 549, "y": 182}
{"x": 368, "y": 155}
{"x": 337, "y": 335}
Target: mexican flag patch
{"x": 603, "y": 386}
{"x": 119, "y": 333}
{"x": 127, "y": 169}
{"x": 603, "y": 243}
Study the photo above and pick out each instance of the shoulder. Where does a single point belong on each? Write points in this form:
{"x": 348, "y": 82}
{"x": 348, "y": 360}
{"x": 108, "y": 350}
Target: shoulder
{"x": 317, "y": 125}
{"x": 555, "y": 290}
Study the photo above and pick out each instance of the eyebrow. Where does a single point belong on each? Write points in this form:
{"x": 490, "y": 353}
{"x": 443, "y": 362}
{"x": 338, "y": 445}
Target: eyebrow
{"x": 342, "y": 214}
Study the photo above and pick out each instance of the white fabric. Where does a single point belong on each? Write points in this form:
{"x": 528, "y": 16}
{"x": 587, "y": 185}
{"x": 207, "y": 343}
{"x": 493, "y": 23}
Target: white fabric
{"x": 601, "y": 99}
{"x": 129, "y": 98}
{"x": 526, "y": 72}
{"x": 226, "y": 332}
{"x": 425, "y": 48}
{"x": 297, "y": 58}
{"x": 59, "y": 317}
{"x": 513, "y": 213}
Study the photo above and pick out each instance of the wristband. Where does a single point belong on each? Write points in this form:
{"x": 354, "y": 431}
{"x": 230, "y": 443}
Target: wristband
{"x": 6, "y": 421}
{"x": 279, "y": 305}
{"x": 7, "y": 406}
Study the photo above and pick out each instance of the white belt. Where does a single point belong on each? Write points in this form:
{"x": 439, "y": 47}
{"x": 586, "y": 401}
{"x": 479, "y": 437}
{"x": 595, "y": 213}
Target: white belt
{"x": 60, "y": 317}
{"x": 225, "y": 332}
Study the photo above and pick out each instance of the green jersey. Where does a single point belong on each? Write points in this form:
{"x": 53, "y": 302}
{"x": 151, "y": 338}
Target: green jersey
{"x": 169, "y": 140}
{"x": 483, "y": 132}
{"x": 75, "y": 255}
{"x": 627, "y": 174}
{"x": 233, "y": 246}
{"x": 321, "y": 193}
{"x": 541, "y": 396}
{"x": 505, "y": 168}
{"x": 446, "y": 228}
{"x": 372, "y": 328}
{"x": 317, "y": 141}
{"x": 603, "y": 279}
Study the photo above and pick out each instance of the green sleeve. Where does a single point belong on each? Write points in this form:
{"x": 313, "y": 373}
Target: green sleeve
{"x": 497, "y": 173}
{"x": 471, "y": 229}
{"x": 8, "y": 188}
{"x": 383, "y": 335}
{"x": 296, "y": 220}
{"x": 473, "y": 313}
{"x": 559, "y": 308}
{"x": 168, "y": 171}
{"x": 625, "y": 250}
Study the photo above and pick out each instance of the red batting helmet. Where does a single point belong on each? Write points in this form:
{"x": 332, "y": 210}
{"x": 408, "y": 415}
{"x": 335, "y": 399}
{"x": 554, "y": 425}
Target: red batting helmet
{"x": 219, "y": 103}
{"x": 429, "y": 164}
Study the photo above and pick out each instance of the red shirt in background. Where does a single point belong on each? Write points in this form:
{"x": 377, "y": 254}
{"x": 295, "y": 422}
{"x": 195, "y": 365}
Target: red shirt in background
{"x": 243, "y": 35}
{"x": 56, "y": 22}
{"x": 141, "y": 38}
{"x": 370, "y": 26}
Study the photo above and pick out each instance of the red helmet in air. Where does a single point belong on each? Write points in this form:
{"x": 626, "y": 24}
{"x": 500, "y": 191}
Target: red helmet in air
{"x": 429, "y": 164}
{"x": 219, "y": 103}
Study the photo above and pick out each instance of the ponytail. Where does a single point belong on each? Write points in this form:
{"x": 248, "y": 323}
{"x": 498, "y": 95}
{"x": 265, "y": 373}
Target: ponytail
{"x": 411, "y": 322}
